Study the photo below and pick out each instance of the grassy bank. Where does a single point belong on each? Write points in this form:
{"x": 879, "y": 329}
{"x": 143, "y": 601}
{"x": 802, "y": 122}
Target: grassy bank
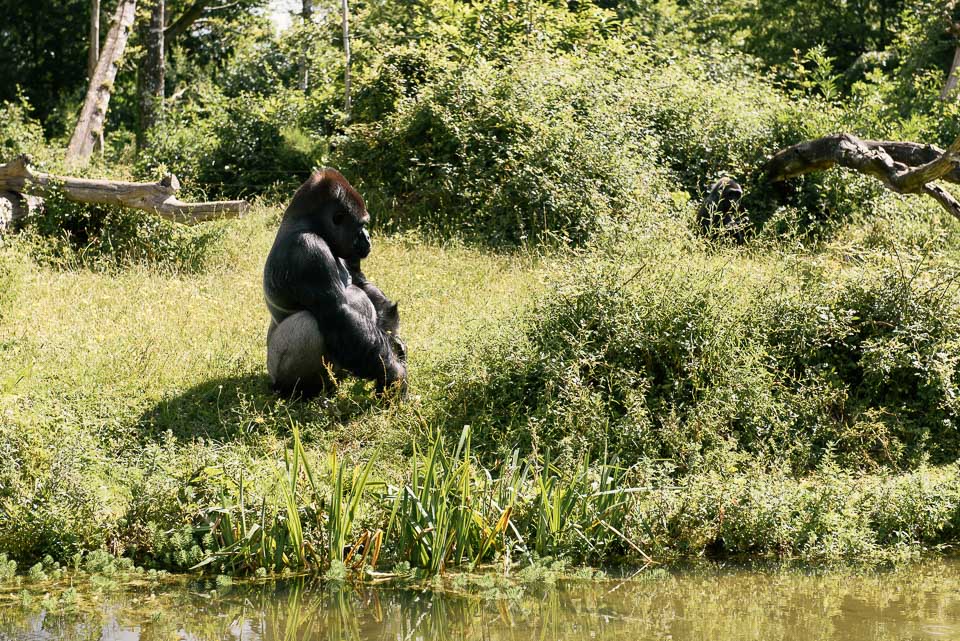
{"x": 653, "y": 398}
{"x": 595, "y": 374}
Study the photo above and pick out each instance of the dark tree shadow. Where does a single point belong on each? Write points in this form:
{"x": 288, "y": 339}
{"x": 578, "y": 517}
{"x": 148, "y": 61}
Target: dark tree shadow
{"x": 239, "y": 407}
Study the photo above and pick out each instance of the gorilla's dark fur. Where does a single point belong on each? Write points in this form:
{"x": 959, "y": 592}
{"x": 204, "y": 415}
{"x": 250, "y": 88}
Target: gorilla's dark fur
{"x": 720, "y": 210}
{"x": 327, "y": 317}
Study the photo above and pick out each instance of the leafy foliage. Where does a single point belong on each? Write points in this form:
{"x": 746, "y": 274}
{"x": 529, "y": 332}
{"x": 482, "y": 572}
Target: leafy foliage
{"x": 679, "y": 364}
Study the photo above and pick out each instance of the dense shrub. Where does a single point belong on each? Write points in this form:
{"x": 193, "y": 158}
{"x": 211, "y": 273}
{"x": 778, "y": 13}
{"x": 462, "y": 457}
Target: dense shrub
{"x": 69, "y": 234}
{"x": 543, "y": 149}
{"x": 686, "y": 360}
{"x": 19, "y": 133}
{"x": 222, "y": 146}
{"x": 830, "y": 515}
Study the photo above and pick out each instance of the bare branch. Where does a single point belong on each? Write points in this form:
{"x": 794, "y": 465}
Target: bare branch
{"x": 181, "y": 24}
{"x": 871, "y": 158}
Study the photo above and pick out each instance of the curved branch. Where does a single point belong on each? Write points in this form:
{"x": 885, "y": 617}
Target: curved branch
{"x": 925, "y": 164}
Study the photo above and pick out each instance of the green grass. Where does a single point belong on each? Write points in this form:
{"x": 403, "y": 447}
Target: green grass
{"x": 124, "y": 388}
{"x": 135, "y": 412}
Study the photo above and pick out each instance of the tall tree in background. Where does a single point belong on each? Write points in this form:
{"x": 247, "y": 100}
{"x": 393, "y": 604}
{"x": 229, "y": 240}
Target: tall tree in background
{"x": 94, "y": 111}
{"x": 150, "y": 73}
{"x": 94, "y": 55}
{"x": 94, "y": 38}
{"x": 953, "y": 76}
{"x": 346, "y": 53}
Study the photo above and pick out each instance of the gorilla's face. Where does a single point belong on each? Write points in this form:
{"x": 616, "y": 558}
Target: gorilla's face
{"x": 730, "y": 199}
{"x": 346, "y": 231}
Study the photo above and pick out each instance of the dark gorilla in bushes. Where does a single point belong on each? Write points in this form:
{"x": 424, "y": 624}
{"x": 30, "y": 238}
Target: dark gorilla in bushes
{"x": 326, "y": 316}
{"x": 720, "y": 210}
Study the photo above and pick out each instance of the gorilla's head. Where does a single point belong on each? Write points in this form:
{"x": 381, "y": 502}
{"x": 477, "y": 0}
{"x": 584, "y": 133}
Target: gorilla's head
{"x": 334, "y": 210}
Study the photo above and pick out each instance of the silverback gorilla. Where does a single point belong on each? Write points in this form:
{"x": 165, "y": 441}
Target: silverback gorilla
{"x": 326, "y": 317}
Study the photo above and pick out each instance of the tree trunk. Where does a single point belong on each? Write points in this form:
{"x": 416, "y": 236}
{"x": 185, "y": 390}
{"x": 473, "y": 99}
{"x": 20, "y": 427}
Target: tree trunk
{"x": 159, "y": 198}
{"x": 94, "y": 56}
{"x": 950, "y": 86}
{"x": 150, "y": 74}
{"x": 94, "y": 38}
{"x": 307, "y": 15}
{"x": 346, "y": 54}
{"x": 94, "y": 111}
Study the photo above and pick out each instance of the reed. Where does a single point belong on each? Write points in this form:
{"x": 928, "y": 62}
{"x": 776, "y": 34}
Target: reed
{"x": 450, "y": 510}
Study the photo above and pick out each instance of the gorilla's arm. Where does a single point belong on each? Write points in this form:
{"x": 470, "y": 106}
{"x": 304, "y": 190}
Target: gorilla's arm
{"x": 377, "y": 297}
{"x": 352, "y": 338}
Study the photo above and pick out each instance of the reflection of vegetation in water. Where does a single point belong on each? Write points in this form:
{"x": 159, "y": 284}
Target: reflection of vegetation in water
{"x": 918, "y": 602}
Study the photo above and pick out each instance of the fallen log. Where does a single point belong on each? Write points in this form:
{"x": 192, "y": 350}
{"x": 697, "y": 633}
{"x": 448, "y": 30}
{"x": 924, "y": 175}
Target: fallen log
{"x": 903, "y": 167}
{"x": 15, "y": 207}
{"x": 159, "y": 197}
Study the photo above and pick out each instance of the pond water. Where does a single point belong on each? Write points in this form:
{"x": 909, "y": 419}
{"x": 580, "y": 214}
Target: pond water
{"x": 920, "y": 602}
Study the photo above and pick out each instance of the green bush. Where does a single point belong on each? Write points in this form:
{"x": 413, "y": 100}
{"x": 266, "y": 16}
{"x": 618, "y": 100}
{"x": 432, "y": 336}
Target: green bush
{"x": 69, "y": 234}
{"x": 19, "y": 133}
{"x": 686, "y": 361}
{"x": 233, "y": 147}
{"x": 542, "y": 150}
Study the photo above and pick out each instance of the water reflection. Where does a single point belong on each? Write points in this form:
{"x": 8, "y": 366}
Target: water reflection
{"x": 922, "y": 602}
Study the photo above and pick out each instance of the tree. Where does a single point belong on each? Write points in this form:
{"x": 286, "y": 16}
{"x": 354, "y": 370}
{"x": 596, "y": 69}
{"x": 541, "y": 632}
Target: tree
{"x": 953, "y": 76}
{"x": 150, "y": 73}
{"x": 94, "y": 111}
{"x": 94, "y": 55}
{"x": 346, "y": 53}
{"x": 307, "y": 15}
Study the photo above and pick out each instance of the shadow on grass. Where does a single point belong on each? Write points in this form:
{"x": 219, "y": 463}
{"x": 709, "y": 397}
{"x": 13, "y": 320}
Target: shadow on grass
{"x": 238, "y": 407}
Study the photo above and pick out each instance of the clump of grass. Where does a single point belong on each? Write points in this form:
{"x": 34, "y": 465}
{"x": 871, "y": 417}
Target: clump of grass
{"x": 8, "y": 568}
{"x": 287, "y": 530}
{"x": 446, "y": 513}
{"x": 36, "y": 573}
{"x": 449, "y": 511}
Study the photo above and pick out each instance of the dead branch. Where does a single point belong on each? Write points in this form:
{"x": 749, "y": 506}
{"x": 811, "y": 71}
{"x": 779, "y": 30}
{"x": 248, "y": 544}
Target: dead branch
{"x": 159, "y": 197}
{"x": 905, "y": 168}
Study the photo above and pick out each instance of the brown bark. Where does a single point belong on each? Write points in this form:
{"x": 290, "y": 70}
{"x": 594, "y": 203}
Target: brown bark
{"x": 94, "y": 111}
{"x": 159, "y": 198}
{"x": 927, "y": 164}
{"x": 188, "y": 17}
{"x": 150, "y": 74}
